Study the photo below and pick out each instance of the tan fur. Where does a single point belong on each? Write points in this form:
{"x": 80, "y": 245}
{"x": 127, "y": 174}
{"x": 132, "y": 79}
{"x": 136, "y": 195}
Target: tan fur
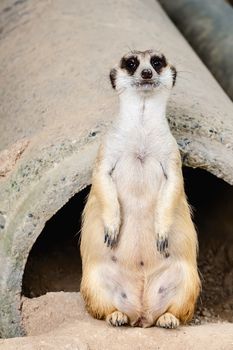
{"x": 139, "y": 201}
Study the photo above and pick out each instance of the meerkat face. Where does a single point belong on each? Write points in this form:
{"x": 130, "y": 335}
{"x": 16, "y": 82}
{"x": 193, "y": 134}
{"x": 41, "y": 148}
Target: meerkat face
{"x": 145, "y": 72}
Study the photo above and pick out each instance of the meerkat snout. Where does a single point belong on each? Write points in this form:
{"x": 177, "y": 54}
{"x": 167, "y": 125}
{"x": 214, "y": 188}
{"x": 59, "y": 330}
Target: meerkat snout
{"x": 146, "y": 74}
{"x": 143, "y": 71}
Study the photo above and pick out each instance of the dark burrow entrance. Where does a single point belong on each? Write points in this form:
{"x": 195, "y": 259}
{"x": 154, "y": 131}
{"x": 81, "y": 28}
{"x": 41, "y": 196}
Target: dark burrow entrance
{"x": 54, "y": 262}
{"x": 212, "y": 202}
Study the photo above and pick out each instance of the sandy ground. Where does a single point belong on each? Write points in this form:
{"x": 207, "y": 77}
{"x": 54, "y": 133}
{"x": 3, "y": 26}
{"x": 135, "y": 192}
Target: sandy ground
{"x": 59, "y": 321}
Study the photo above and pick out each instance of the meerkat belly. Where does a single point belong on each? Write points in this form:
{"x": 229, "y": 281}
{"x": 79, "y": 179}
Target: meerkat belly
{"x": 135, "y": 260}
{"x": 137, "y": 175}
{"x": 138, "y": 178}
{"x": 141, "y": 292}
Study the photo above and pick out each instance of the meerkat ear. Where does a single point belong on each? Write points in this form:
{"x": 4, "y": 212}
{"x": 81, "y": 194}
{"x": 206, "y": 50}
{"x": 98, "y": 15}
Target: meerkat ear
{"x": 112, "y": 76}
{"x": 174, "y": 74}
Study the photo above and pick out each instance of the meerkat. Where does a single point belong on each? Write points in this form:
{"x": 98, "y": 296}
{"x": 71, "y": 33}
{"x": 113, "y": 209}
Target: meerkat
{"x": 138, "y": 241}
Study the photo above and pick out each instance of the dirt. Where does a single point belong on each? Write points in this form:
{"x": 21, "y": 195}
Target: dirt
{"x": 45, "y": 313}
{"x": 59, "y": 321}
{"x": 216, "y": 269}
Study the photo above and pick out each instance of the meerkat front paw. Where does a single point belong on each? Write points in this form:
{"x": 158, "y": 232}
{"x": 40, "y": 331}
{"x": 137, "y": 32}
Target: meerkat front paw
{"x": 110, "y": 236}
{"x": 117, "y": 319}
{"x": 111, "y": 231}
{"x": 162, "y": 244}
{"x": 167, "y": 320}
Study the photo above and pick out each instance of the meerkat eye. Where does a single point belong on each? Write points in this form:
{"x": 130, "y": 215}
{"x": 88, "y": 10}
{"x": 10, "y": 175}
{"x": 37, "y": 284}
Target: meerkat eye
{"x": 158, "y": 63}
{"x": 130, "y": 64}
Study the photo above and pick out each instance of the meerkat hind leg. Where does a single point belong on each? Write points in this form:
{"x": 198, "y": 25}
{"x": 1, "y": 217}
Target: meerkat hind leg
{"x": 117, "y": 318}
{"x": 167, "y": 320}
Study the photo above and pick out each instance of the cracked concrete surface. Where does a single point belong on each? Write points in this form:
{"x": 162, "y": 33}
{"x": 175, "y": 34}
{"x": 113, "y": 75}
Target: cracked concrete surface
{"x": 55, "y": 58}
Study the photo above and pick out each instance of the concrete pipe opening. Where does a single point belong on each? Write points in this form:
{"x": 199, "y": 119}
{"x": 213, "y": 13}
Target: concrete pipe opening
{"x": 54, "y": 263}
{"x": 211, "y": 200}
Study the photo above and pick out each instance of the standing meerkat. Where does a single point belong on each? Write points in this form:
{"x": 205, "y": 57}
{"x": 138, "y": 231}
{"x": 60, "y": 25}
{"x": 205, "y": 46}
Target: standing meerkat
{"x": 138, "y": 242}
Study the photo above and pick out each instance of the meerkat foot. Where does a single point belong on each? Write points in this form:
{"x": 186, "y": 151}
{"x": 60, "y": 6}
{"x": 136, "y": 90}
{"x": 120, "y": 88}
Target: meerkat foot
{"x": 167, "y": 320}
{"x": 162, "y": 245}
{"x": 117, "y": 319}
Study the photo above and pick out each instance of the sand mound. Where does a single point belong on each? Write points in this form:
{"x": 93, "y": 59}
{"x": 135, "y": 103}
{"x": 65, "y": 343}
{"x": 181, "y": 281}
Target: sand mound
{"x": 59, "y": 321}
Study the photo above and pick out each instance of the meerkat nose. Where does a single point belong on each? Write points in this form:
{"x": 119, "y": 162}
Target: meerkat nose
{"x": 146, "y": 74}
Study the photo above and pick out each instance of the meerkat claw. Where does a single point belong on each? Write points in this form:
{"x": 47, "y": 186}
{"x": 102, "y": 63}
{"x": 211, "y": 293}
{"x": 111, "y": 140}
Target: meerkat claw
{"x": 117, "y": 319}
{"x": 110, "y": 238}
{"x": 168, "y": 321}
{"x": 162, "y": 245}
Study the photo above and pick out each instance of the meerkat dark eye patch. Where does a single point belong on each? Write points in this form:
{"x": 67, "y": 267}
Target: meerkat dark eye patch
{"x": 158, "y": 63}
{"x": 130, "y": 64}
{"x": 174, "y": 75}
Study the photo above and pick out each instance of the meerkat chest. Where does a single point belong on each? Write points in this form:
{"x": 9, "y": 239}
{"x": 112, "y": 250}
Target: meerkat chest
{"x": 141, "y": 161}
{"x": 141, "y": 146}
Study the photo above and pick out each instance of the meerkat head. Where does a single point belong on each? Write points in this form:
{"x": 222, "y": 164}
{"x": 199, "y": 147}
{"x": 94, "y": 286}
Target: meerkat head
{"x": 143, "y": 71}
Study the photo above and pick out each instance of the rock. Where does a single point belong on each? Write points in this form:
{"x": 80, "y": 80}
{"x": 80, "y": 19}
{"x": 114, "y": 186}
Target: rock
{"x": 55, "y": 61}
{"x": 205, "y": 313}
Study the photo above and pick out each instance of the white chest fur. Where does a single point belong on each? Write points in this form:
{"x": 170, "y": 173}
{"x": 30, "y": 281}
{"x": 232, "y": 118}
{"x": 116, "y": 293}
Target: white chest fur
{"x": 139, "y": 145}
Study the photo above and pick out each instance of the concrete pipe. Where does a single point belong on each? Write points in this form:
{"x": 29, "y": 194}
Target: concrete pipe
{"x": 208, "y": 26}
{"x": 56, "y": 102}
